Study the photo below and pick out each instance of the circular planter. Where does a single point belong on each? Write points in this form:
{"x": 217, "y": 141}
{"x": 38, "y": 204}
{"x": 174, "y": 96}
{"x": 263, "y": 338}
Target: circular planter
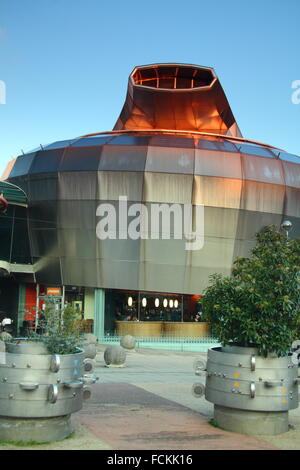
{"x": 37, "y": 387}
{"x": 251, "y": 394}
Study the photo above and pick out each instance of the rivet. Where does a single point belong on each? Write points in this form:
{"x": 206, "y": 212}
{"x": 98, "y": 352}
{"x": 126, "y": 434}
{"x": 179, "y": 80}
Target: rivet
{"x": 58, "y": 381}
{"x": 240, "y": 364}
{"x": 74, "y": 394}
{"x": 4, "y": 379}
{"x": 29, "y": 366}
{"x": 11, "y": 396}
{"x": 13, "y": 364}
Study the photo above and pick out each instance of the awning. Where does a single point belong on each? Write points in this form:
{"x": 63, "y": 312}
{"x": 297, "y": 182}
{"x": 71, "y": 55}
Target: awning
{"x": 13, "y": 194}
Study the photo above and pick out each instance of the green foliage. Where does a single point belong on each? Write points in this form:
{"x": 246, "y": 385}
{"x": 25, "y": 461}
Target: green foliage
{"x": 259, "y": 304}
{"x": 61, "y": 330}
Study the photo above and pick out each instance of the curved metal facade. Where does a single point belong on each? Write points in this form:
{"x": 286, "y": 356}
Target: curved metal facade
{"x": 242, "y": 186}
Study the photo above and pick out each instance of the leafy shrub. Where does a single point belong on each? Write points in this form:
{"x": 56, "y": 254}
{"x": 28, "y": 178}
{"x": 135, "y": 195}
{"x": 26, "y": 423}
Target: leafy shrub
{"x": 61, "y": 330}
{"x": 259, "y": 304}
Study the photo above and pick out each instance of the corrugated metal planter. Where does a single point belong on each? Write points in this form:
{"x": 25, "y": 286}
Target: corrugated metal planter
{"x": 39, "y": 392}
{"x": 251, "y": 394}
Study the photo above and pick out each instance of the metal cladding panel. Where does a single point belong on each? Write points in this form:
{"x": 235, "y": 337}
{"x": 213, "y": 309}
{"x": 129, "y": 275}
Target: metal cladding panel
{"x": 170, "y": 160}
{"x": 113, "y": 184}
{"x": 123, "y": 250}
{"x": 80, "y": 159}
{"x": 46, "y": 161}
{"x": 261, "y": 197}
{"x": 22, "y": 165}
{"x": 261, "y": 169}
{"x": 291, "y": 174}
{"x": 43, "y": 187}
{"x": 78, "y": 185}
{"x": 76, "y": 214}
{"x": 79, "y": 271}
{"x": 161, "y": 277}
{"x": 196, "y": 278}
{"x": 79, "y": 243}
{"x": 168, "y": 188}
{"x": 216, "y": 254}
{"x": 223, "y": 164}
{"x": 217, "y": 192}
{"x": 112, "y": 273}
{"x": 221, "y": 222}
{"x": 250, "y": 222}
{"x": 292, "y": 202}
{"x": 163, "y": 252}
{"x": 123, "y": 158}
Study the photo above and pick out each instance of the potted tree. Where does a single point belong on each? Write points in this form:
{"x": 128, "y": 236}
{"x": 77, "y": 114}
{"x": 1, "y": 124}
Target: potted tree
{"x": 252, "y": 378}
{"x": 43, "y": 380}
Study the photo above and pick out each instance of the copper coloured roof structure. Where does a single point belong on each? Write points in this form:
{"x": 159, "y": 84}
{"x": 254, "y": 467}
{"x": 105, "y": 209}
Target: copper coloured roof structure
{"x": 176, "y": 97}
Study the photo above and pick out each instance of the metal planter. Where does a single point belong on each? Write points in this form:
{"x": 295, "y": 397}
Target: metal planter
{"x": 35, "y": 385}
{"x": 250, "y": 393}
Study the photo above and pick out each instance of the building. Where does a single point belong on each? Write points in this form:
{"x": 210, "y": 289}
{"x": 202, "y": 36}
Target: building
{"x": 176, "y": 141}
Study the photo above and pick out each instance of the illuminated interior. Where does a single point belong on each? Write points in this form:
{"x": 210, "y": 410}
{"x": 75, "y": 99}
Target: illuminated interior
{"x": 173, "y": 77}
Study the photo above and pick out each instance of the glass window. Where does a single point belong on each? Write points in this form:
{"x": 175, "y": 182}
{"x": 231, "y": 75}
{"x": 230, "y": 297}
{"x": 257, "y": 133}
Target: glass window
{"x": 257, "y": 150}
{"x": 223, "y": 145}
{"x": 129, "y": 140}
{"x": 172, "y": 141}
{"x": 288, "y": 157}
{"x": 92, "y": 140}
{"x": 59, "y": 144}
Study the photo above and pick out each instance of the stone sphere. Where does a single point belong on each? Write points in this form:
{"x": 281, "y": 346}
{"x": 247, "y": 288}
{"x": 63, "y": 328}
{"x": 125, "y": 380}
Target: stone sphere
{"x": 4, "y": 336}
{"x": 128, "y": 342}
{"x": 91, "y": 338}
{"x": 114, "y": 355}
{"x": 90, "y": 350}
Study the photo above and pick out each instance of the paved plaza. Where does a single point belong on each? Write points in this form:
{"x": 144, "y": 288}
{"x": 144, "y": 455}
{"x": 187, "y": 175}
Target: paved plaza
{"x": 148, "y": 404}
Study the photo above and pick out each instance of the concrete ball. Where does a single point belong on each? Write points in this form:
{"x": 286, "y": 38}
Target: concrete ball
{"x": 91, "y": 338}
{"x": 4, "y": 336}
{"x": 90, "y": 350}
{"x": 114, "y": 355}
{"x": 128, "y": 342}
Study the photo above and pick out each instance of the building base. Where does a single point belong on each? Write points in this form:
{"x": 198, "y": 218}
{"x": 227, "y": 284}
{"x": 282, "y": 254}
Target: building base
{"x": 35, "y": 430}
{"x": 257, "y": 423}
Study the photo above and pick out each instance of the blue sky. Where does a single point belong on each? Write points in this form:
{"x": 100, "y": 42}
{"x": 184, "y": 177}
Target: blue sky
{"x": 66, "y": 63}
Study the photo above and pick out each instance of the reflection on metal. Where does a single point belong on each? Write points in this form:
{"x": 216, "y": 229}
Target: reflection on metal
{"x": 176, "y": 96}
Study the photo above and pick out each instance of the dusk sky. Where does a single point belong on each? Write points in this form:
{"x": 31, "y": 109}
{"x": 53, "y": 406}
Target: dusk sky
{"x": 65, "y": 63}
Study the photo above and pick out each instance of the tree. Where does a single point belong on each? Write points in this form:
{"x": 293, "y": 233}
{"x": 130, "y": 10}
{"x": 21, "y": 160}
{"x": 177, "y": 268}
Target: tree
{"x": 259, "y": 304}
